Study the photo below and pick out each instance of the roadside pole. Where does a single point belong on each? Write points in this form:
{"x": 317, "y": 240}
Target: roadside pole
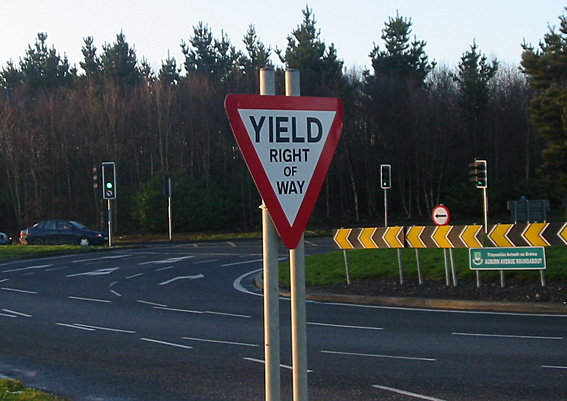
{"x": 109, "y": 224}
{"x": 271, "y": 278}
{"x": 297, "y": 281}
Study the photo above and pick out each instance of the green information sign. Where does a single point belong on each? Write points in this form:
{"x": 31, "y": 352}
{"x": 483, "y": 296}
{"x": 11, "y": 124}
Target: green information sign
{"x": 518, "y": 258}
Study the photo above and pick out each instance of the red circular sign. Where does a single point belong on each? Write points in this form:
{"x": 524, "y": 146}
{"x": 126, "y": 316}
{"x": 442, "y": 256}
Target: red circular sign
{"x": 440, "y": 215}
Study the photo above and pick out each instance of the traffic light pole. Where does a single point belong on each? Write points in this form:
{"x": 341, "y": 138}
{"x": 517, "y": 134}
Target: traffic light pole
{"x": 109, "y": 223}
{"x": 485, "y": 196}
{"x": 385, "y": 207}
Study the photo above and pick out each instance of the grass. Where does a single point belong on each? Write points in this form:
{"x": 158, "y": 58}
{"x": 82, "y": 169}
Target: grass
{"x": 383, "y": 263}
{"x": 19, "y": 250}
{"x": 13, "y": 390}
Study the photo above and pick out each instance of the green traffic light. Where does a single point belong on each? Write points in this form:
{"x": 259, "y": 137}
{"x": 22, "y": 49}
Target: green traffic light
{"x": 109, "y": 185}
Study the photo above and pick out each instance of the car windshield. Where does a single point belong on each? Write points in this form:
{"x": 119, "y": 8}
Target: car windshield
{"x": 78, "y": 225}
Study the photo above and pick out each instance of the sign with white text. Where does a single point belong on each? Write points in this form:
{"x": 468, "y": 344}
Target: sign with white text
{"x": 288, "y": 143}
{"x": 517, "y": 258}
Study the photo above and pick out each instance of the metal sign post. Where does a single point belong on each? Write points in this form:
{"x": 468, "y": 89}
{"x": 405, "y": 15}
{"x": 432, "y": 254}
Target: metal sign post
{"x": 288, "y": 143}
{"x": 271, "y": 279}
{"x": 297, "y": 282}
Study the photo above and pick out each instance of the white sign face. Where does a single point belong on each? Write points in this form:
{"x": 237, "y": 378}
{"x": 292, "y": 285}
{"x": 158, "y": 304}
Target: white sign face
{"x": 289, "y": 144}
{"x": 440, "y": 215}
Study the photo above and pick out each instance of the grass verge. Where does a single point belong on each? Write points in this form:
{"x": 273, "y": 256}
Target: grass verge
{"x": 13, "y": 390}
{"x": 383, "y": 263}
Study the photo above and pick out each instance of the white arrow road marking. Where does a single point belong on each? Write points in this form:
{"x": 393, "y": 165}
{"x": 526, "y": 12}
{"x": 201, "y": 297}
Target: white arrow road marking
{"x": 99, "y": 272}
{"x": 195, "y": 277}
{"x": 170, "y": 260}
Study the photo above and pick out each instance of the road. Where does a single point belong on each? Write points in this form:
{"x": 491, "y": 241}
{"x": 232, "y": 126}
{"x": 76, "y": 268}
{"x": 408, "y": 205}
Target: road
{"x": 184, "y": 322}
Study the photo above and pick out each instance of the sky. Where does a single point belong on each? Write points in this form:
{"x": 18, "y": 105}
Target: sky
{"x": 156, "y": 28}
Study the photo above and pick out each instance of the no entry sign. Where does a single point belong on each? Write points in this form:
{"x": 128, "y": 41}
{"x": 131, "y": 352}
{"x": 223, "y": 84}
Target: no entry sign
{"x": 440, "y": 215}
{"x": 288, "y": 143}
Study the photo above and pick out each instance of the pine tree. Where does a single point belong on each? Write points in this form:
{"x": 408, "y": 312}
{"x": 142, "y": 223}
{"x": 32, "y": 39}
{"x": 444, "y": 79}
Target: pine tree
{"x": 320, "y": 67}
{"x": 473, "y": 77}
{"x": 119, "y": 63}
{"x": 546, "y": 68}
{"x": 401, "y": 59}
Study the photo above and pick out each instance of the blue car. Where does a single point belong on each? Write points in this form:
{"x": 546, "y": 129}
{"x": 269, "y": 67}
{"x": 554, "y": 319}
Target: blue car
{"x": 58, "y": 232}
{"x": 5, "y": 239}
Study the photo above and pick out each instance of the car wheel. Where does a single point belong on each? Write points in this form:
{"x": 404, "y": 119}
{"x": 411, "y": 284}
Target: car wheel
{"x": 38, "y": 241}
{"x": 84, "y": 242}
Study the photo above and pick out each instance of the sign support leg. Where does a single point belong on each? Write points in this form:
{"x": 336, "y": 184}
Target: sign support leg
{"x": 271, "y": 279}
{"x": 346, "y": 267}
{"x": 298, "y": 321}
{"x": 297, "y": 278}
{"x": 418, "y": 262}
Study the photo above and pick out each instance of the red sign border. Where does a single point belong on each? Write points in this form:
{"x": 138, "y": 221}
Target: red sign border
{"x": 290, "y": 234}
{"x": 433, "y": 215}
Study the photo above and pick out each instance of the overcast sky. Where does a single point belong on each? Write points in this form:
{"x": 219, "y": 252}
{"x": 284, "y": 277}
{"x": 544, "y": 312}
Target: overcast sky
{"x": 155, "y": 28}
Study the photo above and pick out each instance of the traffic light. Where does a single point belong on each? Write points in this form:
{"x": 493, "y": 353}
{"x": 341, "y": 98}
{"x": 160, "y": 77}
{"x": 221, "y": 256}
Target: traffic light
{"x": 108, "y": 180}
{"x": 166, "y": 186}
{"x": 479, "y": 173}
{"x": 97, "y": 180}
{"x": 385, "y": 176}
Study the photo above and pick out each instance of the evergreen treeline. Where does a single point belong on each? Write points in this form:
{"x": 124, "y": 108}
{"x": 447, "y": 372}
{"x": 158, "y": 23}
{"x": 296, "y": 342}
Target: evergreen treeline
{"x": 57, "y": 122}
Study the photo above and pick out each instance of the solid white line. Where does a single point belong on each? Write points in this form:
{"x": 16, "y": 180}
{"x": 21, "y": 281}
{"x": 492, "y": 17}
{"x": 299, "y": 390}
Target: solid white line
{"x": 553, "y": 367}
{"x": 239, "y": 287}
{"x": 177, "y": 310}
{"x": 5, "y": 315}
{"x": 2, "y": 281}
{"x": 75, "y": 327}
{"x": 281, "y": 365}
{"x": 96, "y": 259}
{"x": 16, "y": 313}
{"x": 344, "y": 326}
{"x": 409, "y": 358}
{"x": 88, "y": 326}
{"x": 403, "y": 392}
{"x": 220, "y": 342}
{"x": 455, "y": 311}
{"x": 228, "y": 314}
{"x": 164, "y": 268}
{"x": 166, "y": 343}
{"x": 507, "y": 336}
{"x": 242, "y": 263}
{"x": 151, "y": 303}
{"x": 206, "y": 261}
{"x": 90, "y": 299}
{"x": 26, "y": 268}
{"x": 16, "y": 290}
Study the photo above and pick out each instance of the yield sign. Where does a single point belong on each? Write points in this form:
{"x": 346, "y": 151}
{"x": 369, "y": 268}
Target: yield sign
{"x": 288, "y": 143}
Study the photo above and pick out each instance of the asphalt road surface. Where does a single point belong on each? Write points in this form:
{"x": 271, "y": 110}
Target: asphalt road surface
{"x": 185, "y": 322}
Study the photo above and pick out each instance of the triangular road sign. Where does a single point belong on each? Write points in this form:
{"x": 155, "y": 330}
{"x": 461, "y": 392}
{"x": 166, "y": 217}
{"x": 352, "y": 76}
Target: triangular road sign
{"x": 288, "y": 143}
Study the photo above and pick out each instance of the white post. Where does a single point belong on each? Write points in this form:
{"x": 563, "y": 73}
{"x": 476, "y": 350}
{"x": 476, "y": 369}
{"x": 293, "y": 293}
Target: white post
{"x": 271, "y": 278}
{"x": 297, "y": 278}
{"x": 109, "y": 224}
{"x": 169, "y": 220}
